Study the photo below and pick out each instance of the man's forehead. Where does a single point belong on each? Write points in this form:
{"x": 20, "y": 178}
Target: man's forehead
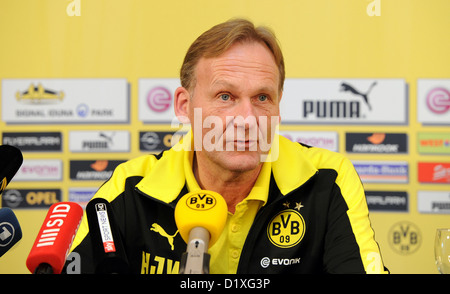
{"x": 264, "y": 85}
{"x": 252, "y": 61}
{"x": 252, "y": 54}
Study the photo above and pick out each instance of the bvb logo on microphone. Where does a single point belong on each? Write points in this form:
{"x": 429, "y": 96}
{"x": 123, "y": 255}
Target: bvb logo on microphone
{"x": 201, "y": 201}
{"x": 286, "y": 229}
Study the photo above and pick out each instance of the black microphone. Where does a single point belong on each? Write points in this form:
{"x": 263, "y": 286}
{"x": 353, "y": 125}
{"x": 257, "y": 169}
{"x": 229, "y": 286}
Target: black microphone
{"x": 10, "y": 232}
{"x": 10, "y": 161}
{"x": 107, "y": 247}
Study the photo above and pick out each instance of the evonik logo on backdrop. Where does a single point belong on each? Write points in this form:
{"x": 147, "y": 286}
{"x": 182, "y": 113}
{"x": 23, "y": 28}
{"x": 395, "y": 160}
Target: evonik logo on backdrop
{"x": 320, "y": 139}
{"x": 40, "y": 170}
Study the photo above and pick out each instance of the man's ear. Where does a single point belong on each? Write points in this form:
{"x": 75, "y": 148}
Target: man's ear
{"x": 181, "y": 104}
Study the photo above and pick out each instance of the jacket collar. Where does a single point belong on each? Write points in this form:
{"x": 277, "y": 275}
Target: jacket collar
{"x": 168, "y": 176}
{"x": 292, "y": 168}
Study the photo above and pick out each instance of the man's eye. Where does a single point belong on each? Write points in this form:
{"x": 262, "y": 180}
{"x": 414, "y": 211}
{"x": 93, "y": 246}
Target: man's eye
{"x": 225, "y": 97}
{"x": 262, "y": 98}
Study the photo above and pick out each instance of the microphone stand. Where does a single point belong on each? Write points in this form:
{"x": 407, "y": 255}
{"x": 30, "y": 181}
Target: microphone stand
{"x": 196, "y": 258}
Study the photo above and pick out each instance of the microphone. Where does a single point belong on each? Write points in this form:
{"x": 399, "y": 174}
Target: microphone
{"x": 10, "y": 232}
{"x": 10, "y": 161}
{"x": 107, "y": 247}
{"x": 49, "y": 252}
{"x": 200, "y": 217}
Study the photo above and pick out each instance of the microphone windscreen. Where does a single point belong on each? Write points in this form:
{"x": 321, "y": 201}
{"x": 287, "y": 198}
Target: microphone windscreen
{"x": 10, "y": 232}
{"x": 55, "y": 237}
{"x": 206, "y": 209}
{"x": 10, "y": 161}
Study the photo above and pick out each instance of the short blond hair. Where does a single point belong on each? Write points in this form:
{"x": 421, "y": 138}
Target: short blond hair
{"x": 219, "y": 38}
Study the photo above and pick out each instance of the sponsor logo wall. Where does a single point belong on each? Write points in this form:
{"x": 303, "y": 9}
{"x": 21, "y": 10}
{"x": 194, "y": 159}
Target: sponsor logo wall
{"x": 343, "y": 101}
{"x": 85, "y": 140}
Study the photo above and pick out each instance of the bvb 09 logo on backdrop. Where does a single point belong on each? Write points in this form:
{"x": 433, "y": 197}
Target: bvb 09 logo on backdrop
{"x": 405, "y": 238}
{"x": 286, "y": 229}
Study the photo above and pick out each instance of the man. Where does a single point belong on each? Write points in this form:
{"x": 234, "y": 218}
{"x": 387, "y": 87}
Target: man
{"x": 291, "y": 208}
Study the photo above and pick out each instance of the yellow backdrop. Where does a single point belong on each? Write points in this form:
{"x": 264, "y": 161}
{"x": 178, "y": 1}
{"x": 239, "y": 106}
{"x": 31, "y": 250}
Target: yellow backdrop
{"x": 405, "y": 39}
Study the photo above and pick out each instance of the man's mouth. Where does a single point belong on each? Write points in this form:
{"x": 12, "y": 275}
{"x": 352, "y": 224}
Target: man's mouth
{"x": 245, "y": 145}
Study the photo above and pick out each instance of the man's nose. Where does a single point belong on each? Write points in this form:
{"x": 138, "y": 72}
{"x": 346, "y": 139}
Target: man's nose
{"x": 245, "y": 109}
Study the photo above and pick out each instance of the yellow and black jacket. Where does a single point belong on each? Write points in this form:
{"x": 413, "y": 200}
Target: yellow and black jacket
{"x": 315, "y": 219}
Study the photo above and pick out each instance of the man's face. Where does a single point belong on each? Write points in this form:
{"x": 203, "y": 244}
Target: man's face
{"x": 236, "y": 103}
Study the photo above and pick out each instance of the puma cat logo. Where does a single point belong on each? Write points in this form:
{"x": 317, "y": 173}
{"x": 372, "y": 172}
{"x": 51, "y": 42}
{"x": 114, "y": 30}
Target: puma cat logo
{"x": 346, "y": 87}
{"x": 158, "y": 229}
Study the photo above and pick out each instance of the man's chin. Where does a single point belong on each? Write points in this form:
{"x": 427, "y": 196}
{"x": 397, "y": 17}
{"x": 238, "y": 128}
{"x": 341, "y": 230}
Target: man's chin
{"x": 241, "y": 161}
